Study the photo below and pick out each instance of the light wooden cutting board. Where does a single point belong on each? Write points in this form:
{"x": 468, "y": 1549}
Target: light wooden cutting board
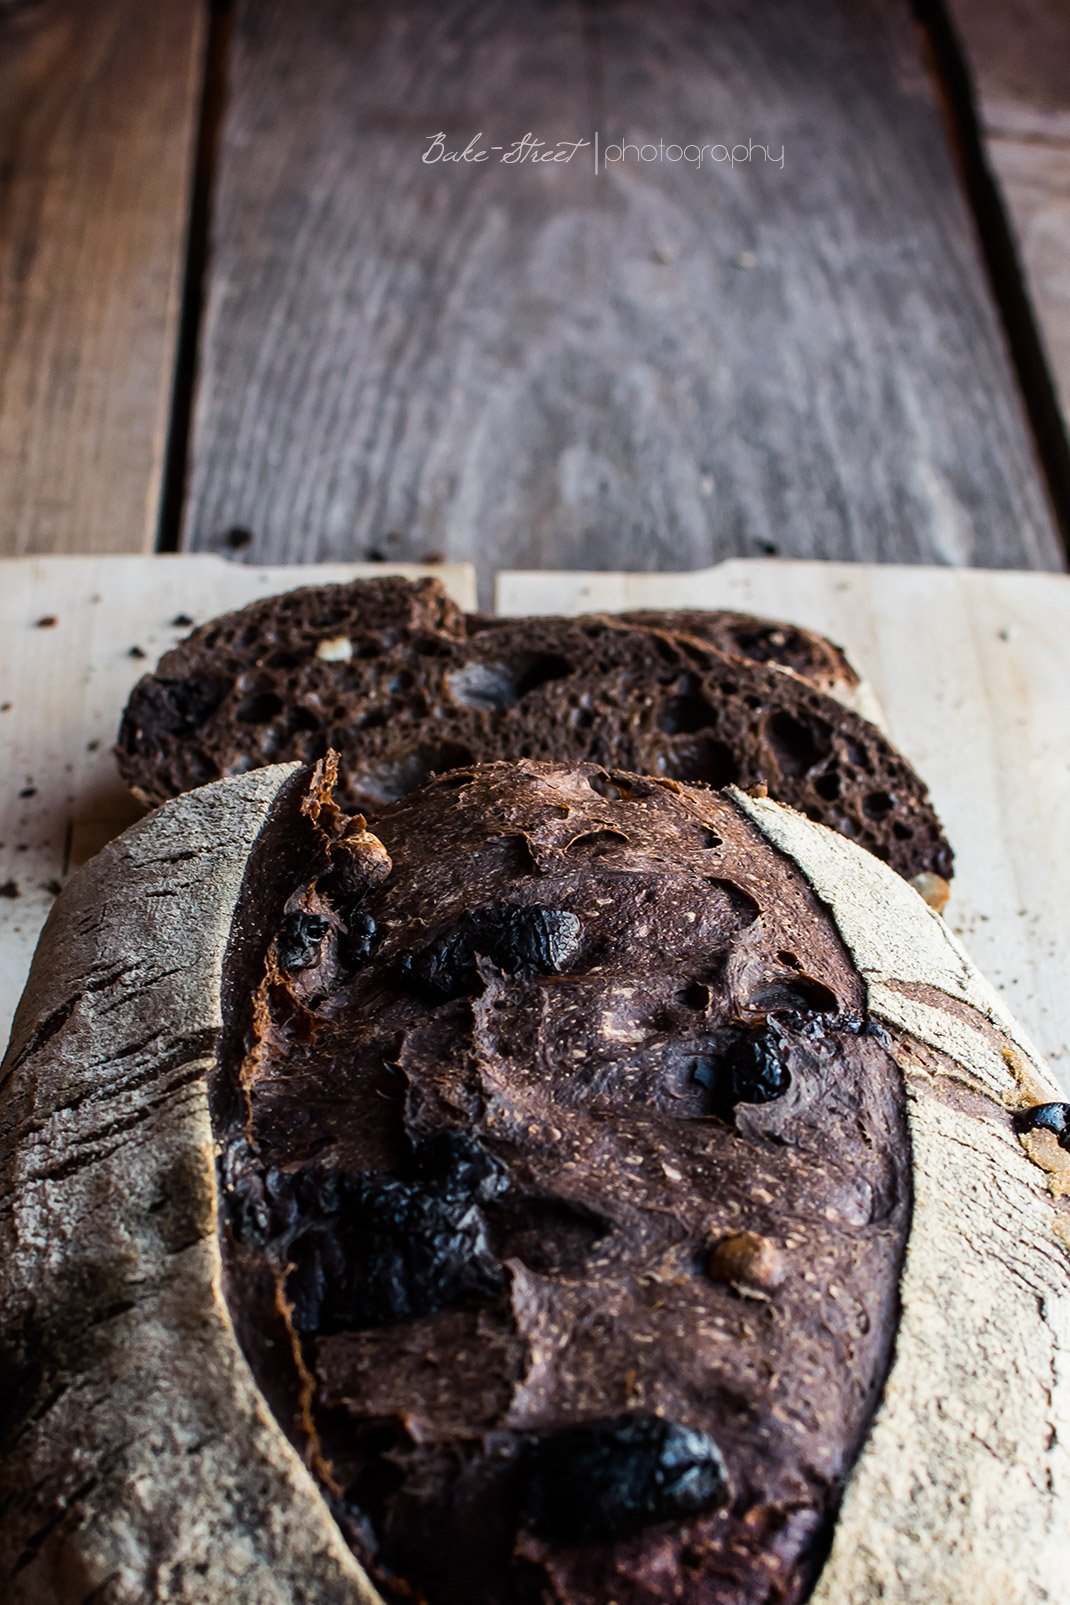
{"x": 972, "y": 668}
{"x": 75, "y": 635}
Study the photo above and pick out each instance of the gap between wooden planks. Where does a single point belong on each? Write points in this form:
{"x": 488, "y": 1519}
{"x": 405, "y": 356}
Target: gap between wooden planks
{"x": 1019, "y": 57}
{"x": 972, "y": 669}
{"x": 64, "y": 685}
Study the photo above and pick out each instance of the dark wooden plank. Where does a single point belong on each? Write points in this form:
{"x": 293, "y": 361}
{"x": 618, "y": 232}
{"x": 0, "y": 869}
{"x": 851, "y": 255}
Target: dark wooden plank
{"x": 1018, "y": 52}
{"x": 98, "y": 111}
{"x": 654, "y": 367}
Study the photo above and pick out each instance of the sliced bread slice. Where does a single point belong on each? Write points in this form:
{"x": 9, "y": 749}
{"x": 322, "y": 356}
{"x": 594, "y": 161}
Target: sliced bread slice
{"x": 386, "y": 674}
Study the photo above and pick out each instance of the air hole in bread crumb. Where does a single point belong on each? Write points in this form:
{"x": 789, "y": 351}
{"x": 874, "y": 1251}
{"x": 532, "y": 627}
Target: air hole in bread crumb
{"x": 596, "y": 843}
{"x": 260, "y": 709}
{"x": 878, "y": 804}
{"x": 693, "y": 996}
{"x": 701, "y": 761}
{"x": 685, "y": 714}
{"x": 798, "y": 744}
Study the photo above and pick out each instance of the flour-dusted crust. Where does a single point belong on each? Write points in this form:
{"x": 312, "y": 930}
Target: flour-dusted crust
{"x": 142, "y": 1463}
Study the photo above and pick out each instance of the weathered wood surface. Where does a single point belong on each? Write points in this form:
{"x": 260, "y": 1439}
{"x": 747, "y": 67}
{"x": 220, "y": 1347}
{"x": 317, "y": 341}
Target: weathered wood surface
{"x": 1035, "y": 179}
{"x": 972, "y": 671}
{"x": 654, "y": 367}
{"x": 98, "y": 112}
{"x": 145, "y": 1462}
{"x": 62, "y": 688}
{"x": 1018, "y": 52}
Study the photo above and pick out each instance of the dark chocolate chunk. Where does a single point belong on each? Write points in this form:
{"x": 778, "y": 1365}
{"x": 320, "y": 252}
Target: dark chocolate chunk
{"x": 361, "y": 932}
{"x": 520, "y": 940}
{"x": 367, "y": 1252}
{"x": 393, "y": 1253}
{"x": 159, "y": 707}
{"x": 607, "y": 1478}
{"x": 751, "y": 1070}
{"x": 756, "y": 1069}
{"x": 299, "y": 940}
{"x": 1053, "y": 1117}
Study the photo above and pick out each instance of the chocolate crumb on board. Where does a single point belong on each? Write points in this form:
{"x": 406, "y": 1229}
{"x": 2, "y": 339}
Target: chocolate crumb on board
{"x": 392, "y": 676}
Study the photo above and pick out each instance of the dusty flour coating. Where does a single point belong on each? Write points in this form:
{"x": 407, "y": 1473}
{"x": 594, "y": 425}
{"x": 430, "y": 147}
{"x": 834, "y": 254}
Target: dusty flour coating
{"x": 140, "y": 1463}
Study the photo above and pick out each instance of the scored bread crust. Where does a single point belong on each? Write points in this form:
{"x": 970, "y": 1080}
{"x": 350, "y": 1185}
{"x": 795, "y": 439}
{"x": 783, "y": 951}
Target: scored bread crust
{"x": 142, "y": 1463}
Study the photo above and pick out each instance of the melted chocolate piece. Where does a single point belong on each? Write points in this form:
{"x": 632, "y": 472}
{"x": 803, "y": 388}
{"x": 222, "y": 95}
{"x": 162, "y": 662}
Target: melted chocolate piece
{"x": 361, "y": 929}
{"x": 583, "y": 1198}
{"x": 176, "y": 707}
{"x": 612, "y": 1477}
{"x": 370, "y": 1253}
{"x": 519, "y": 940}
{"x": 756, "y": 1068}
{"x": 299, "y": 940}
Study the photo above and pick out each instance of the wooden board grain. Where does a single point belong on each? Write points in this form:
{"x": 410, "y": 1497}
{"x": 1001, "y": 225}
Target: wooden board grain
{"x": 75, "y": 635}
{"x": 651, "y": 367}
{"x": 972, "y": 671}
{"x": 98, "y": 111}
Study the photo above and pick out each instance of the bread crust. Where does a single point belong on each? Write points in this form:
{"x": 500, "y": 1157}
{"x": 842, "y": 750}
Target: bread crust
{"x": 142, "y": 1464}
{"x": 962, "y": 1491}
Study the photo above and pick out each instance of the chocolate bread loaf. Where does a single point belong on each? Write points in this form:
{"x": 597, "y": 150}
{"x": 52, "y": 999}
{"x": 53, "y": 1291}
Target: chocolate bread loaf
{"x": 401, "y": 691}
{"x": 588, "y": 1187}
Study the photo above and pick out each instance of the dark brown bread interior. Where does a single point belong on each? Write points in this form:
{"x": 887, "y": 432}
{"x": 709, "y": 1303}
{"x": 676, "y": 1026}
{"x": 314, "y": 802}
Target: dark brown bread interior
{"x": 760, "y": 640}
{"x": 741, "y": 635}
{"x": 566, "y": 1192}
{"x": 417, "y": 693}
